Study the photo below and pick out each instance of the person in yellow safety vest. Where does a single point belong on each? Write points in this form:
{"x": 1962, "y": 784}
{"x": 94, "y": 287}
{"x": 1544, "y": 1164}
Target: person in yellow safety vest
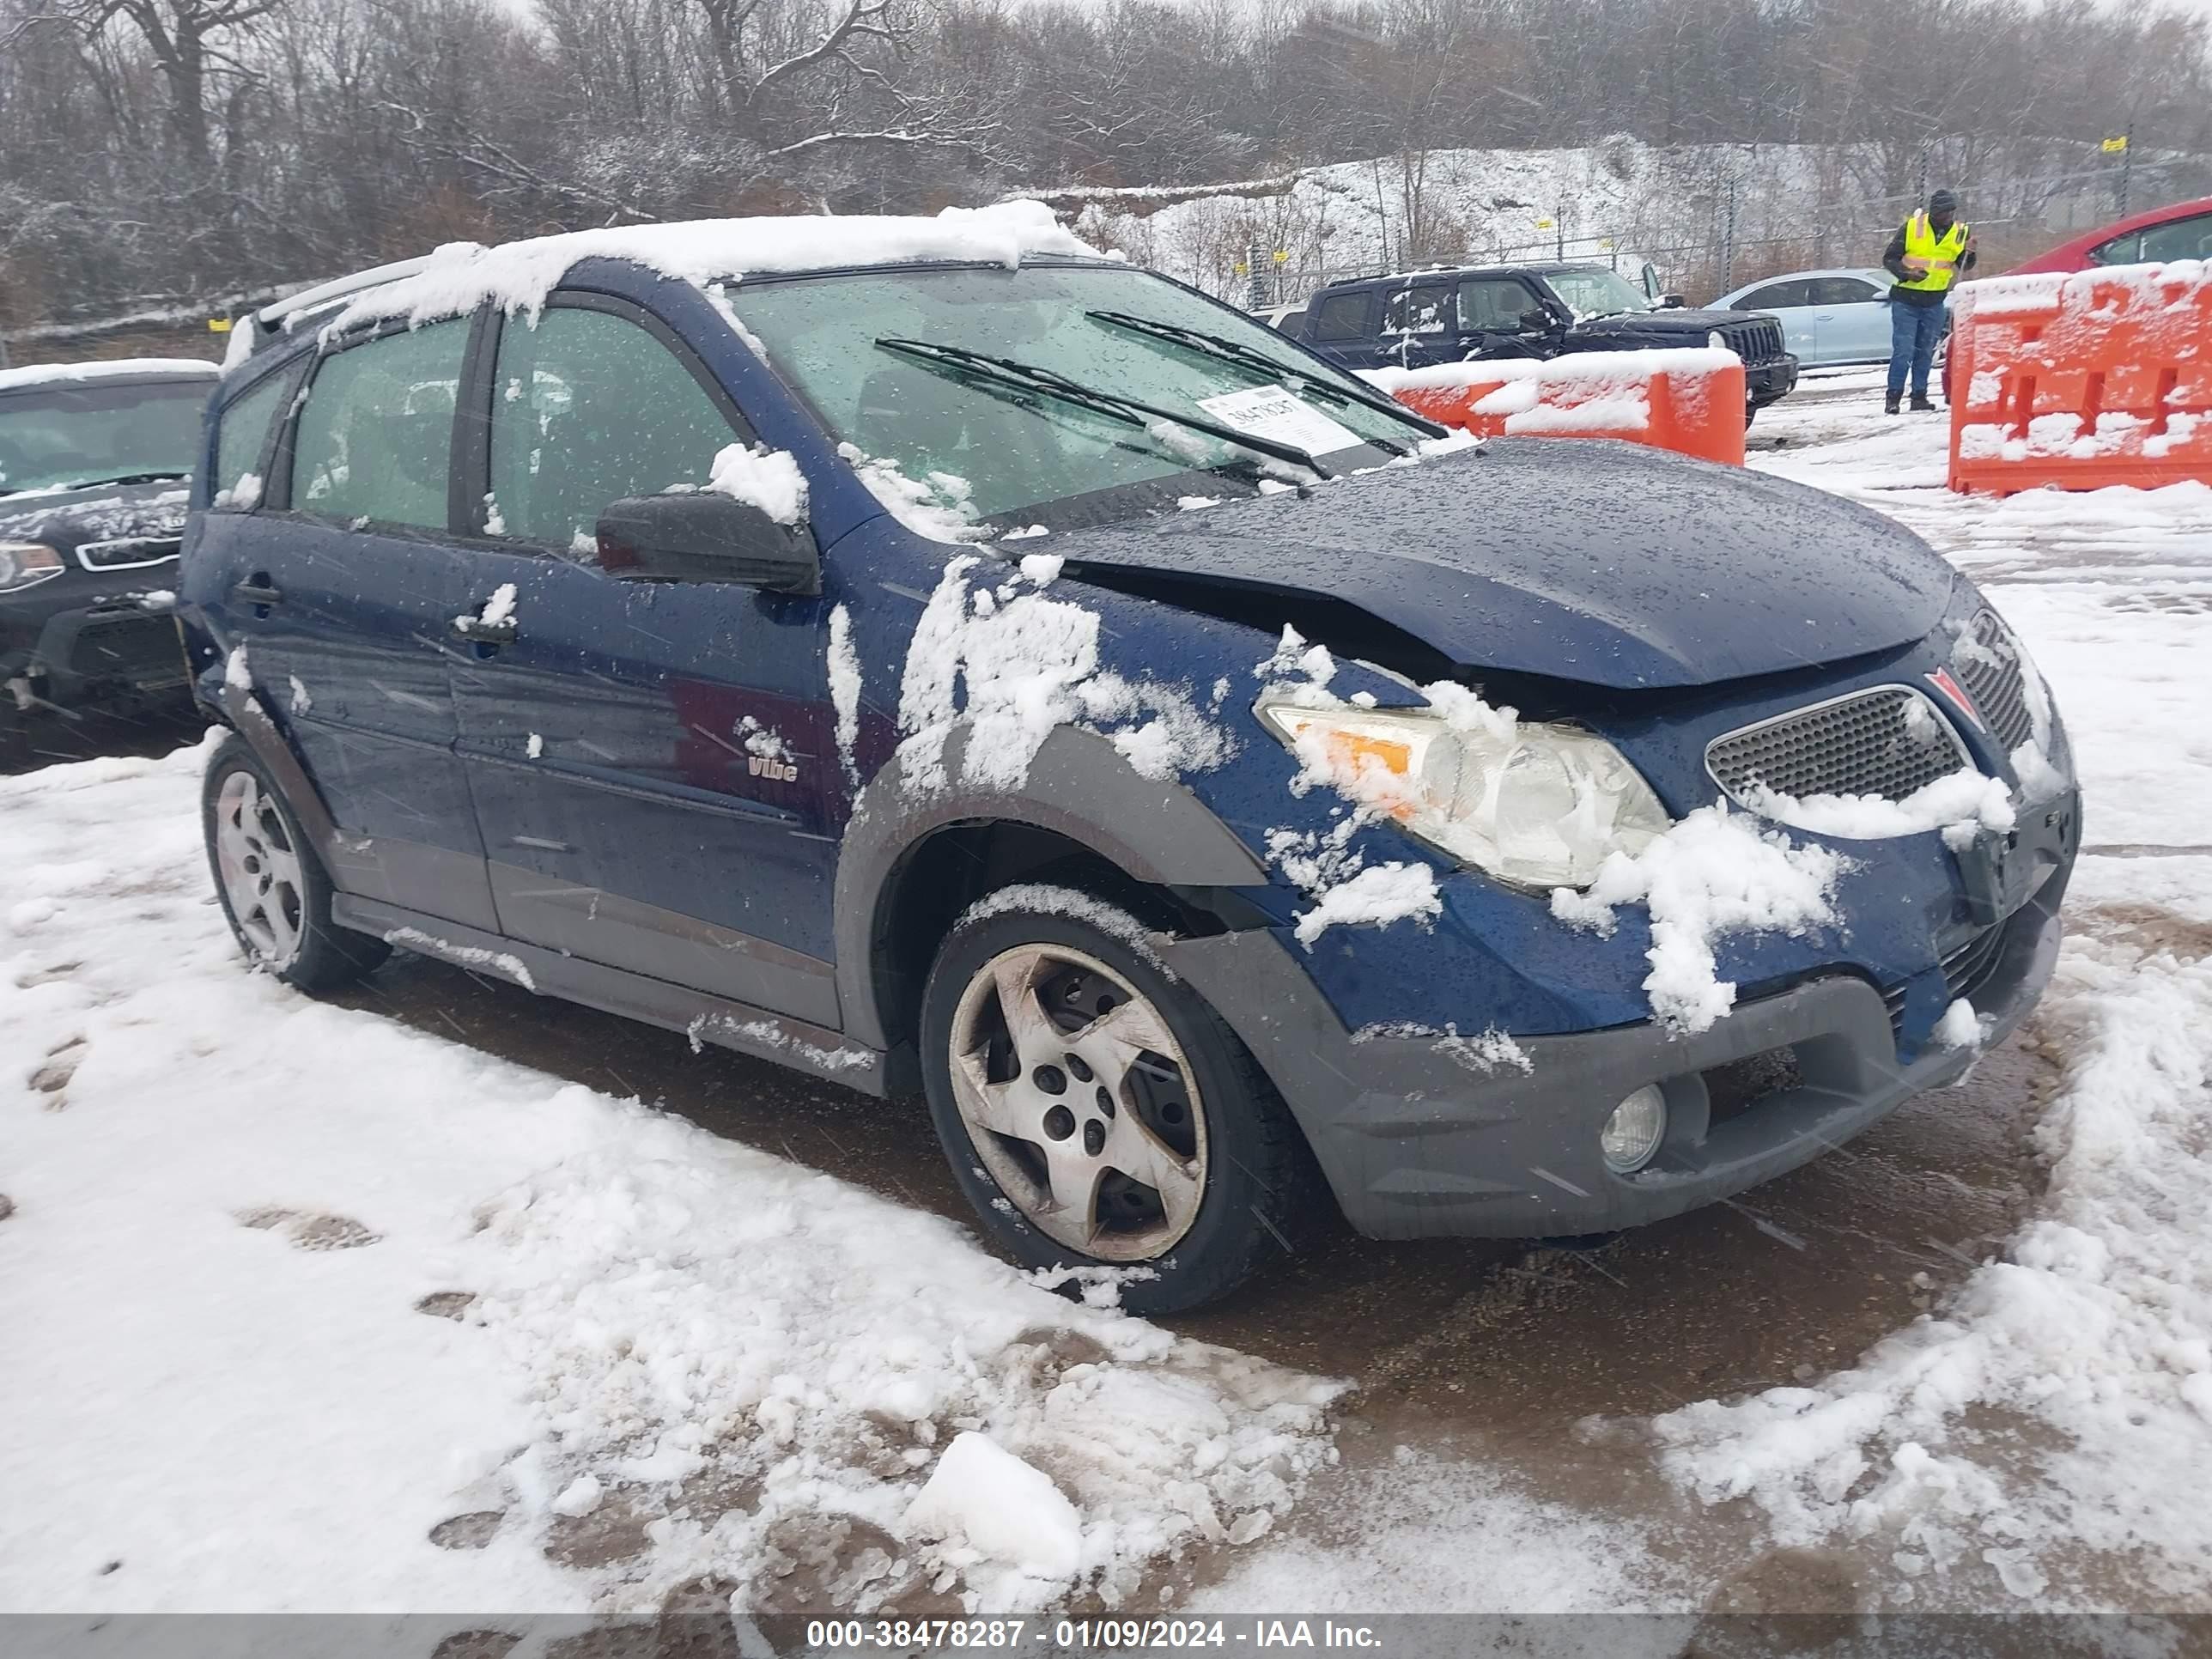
{"x": 1926, "y": 256}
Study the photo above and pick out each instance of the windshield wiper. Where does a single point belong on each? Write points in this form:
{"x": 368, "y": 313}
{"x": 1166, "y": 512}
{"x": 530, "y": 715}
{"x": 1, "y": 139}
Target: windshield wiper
{"x": 1028, "y": 377}
{"x": 128, "y": 479}
{"x": 1244, "y": 356}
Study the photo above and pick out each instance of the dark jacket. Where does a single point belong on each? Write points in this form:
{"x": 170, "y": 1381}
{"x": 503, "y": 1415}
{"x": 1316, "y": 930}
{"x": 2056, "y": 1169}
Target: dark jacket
{"x": 1892, "y": 261}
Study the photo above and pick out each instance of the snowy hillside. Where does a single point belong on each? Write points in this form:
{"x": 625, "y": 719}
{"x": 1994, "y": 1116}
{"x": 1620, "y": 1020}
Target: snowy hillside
{"x": 1678, "y": 206}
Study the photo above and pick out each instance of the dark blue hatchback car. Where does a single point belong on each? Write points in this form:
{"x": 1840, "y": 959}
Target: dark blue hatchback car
{"x": 943, "y": 659}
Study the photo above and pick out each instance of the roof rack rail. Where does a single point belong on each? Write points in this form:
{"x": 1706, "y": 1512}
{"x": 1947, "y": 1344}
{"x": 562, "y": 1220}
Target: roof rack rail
{"x": 269, "y": 321}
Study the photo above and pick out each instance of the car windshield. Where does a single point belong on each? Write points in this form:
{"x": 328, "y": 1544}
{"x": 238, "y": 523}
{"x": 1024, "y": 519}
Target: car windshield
{"x": 1598, "y": 292}
{"x": 64, "y": 434}
{"x": 988, "y": 446}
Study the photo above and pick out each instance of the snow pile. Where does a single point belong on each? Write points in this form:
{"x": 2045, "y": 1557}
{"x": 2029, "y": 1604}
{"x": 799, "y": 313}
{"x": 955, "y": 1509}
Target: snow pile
{"x": 114, "y": 369}
{"x": 237, "y": 673}
{"x": 768, "y": 479}
{"x": 1378, "y": 895}
{"x": 461, "y": 275}
{"x": 1962, "y": 805}
{"x": 245, "y": 496}
{"x": 938, "y": 507}
{"x": 664, "y": 1353}
{"x": 844, "y": 667}
{"x": 982, "y": 1497}
{"x": 499, "y": 608}
{"x": 1013, "y": 664}
{"x": 1713, "y": 874}
{"x": 2092, "y": 1326}
{"x": 1959, "y": 1027}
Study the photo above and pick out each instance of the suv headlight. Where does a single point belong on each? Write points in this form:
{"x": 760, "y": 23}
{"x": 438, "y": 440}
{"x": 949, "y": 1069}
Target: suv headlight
{"x": 24, "y": 564}
{"x": 1537, "y": 805}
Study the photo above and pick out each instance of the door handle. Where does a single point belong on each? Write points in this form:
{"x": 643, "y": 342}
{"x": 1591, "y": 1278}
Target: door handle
{"x": 259, "y": 591}
{"x": 480, "y": 632}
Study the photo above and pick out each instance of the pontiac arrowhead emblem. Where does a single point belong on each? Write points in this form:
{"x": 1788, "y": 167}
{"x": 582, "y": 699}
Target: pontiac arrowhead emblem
{"x": 1942, "y": 680}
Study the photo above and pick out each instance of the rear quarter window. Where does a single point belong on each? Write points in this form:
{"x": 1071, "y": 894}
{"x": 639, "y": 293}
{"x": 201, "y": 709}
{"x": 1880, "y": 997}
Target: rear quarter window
{"x": 241, "y": 440}
{"x": 1339, "y": 317}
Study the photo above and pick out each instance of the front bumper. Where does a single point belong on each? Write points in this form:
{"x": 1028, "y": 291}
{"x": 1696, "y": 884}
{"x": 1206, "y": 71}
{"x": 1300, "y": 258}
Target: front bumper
{"x": 1419, "y": 1138}
{"x": 68, "y": 648}
{"x": 1766, "y": 383}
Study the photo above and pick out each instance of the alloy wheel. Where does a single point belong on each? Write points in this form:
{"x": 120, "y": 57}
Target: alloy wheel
{"x": 1080, "y": 1102}
{"x": 260, "y": 869}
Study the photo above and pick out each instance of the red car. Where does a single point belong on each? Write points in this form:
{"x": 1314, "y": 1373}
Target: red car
{"x": 2181, "y": 231}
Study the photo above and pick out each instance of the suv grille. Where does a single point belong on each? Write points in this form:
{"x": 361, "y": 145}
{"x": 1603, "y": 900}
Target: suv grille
{"x": 1889, "y": 742}
{"x": 1992, "y": 677}
{"x": 1758, "y": 340}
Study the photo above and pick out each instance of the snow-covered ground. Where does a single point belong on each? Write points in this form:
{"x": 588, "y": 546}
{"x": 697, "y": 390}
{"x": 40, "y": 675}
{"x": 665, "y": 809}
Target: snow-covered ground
{"x": 287, "y": 1288}
{"x": 302, "y": 1310}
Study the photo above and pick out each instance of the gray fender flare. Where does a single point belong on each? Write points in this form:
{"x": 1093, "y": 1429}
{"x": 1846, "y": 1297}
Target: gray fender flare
{"x": 1078, "y": 786}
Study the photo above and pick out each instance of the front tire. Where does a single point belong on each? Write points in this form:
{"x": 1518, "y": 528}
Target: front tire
{"x": 1099, "y": 1114}
{"x": 273, "y": 888}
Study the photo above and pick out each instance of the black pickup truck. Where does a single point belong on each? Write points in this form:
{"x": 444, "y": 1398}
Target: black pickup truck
{"x": 94, "y": 462}
{"x": 1419, "y": 318}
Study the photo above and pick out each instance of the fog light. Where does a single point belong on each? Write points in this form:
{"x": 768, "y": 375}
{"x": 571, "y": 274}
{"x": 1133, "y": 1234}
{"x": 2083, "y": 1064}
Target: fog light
{"x": 1632, "y": 1136}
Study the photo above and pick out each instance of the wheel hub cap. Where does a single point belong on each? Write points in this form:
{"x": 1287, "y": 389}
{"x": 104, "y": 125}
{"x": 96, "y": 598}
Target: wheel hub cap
{"x": 260, "y": 870}
{"x": 1080, "y": 1103}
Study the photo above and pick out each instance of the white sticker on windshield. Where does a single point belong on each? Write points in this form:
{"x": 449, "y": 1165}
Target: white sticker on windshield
{"x": 1277, "y": 412}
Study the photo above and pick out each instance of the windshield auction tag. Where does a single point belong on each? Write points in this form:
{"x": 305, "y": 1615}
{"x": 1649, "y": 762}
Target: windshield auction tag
{"x": 1277, "y": 412}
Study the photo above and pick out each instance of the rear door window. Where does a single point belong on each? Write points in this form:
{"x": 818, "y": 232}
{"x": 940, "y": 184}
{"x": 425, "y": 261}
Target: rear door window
{"x": 2184, "y": 238}
{"x": 1417, "y": 311}
{"x": 1840, "y": 291}
{"x": 1340, "y": 317}
{"x": 588, "y": 409}
{"x": 1493, "y": 304}
{"x": 1775, "y": 296}
{"x": 374, "y": 441}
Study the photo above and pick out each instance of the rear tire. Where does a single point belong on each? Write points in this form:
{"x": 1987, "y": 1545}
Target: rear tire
{"x": 1099, "y": 1114}
{"x": 273, "y": 888}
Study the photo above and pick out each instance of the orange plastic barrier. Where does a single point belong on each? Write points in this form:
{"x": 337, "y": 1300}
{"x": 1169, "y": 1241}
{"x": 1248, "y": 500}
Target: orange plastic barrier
{"x": 2099, "y": 377}
{"x": 1690, "y": 401}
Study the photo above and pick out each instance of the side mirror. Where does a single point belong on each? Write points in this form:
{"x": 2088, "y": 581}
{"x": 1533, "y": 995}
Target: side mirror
{"x": 1536, "y": 320}
{"x": 1672, "y": 302}
{"x": 705, "y": 536}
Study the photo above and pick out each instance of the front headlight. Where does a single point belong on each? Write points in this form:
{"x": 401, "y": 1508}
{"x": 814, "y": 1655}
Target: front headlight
{"x": 1538, "y": 805}
{"x": 25, "y": 563}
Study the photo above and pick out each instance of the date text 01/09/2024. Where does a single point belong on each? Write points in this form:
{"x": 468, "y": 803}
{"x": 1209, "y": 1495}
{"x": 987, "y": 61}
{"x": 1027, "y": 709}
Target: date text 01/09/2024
{"x": 925, "y": 1635}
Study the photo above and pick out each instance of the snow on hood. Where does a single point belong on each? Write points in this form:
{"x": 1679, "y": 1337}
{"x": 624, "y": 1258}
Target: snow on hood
{"x": 461, "y": 275}
{"x": 1605, "y": 564}
{"x": 64, "y": 519}
{"x": 119, "y": 369}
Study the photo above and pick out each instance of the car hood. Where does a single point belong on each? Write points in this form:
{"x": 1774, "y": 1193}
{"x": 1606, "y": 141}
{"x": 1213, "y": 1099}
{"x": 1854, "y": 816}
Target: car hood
{"x": 64, "y": 520}
{"x": 1586, "y": 560}
{"x": 1668, "y": 320}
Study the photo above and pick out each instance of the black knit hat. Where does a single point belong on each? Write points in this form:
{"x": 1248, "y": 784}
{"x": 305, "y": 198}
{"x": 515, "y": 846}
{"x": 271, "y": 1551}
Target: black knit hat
{"x": 1943, "y": 201}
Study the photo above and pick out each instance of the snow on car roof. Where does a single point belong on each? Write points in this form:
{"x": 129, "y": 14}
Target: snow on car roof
{"x": 114, "y": 369}
{"x": 519, "y": 276}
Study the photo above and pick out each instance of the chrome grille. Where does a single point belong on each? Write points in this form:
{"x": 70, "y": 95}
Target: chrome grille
{"x": 128, "y": 552}
{"x": 1992, "y": 677}
{"x": 1889, "y": 741}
